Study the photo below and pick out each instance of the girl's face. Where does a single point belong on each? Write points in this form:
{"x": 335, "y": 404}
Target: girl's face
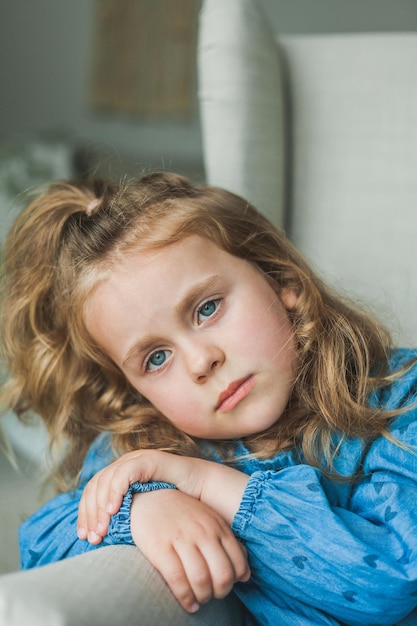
{"x": 201, "y": 334}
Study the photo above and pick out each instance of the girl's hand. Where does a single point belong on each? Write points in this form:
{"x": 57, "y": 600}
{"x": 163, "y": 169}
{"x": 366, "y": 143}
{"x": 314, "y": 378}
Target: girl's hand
{"x": 189, "y": 544}
{"x": 199, "y": 479}
{"x": 103, "y": 494}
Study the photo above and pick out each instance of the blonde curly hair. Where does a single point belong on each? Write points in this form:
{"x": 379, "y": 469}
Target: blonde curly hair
{"x": 55, "y": 255}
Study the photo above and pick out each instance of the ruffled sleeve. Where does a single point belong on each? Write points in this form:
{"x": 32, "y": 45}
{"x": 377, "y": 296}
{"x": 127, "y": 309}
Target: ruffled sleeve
{"x": 344, "y": 550}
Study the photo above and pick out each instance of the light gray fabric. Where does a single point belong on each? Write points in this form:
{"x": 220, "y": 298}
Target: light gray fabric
{"x": 111, "y": 586}
{"x": 241, "y": 103}
{"x": 21, "y": 494}
{"x": 354, "y": 146}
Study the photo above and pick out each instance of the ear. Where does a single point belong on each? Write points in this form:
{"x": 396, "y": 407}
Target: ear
{"x": 289, "y": 298}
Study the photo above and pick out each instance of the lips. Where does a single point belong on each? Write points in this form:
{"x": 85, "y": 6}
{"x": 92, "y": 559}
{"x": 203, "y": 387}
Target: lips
{"x": 235, "y": 392}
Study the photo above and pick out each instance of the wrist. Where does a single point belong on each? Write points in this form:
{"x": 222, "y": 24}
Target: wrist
{"x": 222, "y": 489}
{"x": 144, "y": 506}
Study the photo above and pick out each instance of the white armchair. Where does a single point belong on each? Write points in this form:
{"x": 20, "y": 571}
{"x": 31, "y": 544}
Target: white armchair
{"x": 320, "y": 132}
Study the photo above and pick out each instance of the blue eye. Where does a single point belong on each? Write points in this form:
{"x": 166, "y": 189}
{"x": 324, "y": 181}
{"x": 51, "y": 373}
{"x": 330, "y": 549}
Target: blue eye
{"x": 207, "y": 309}
{"x": 157, "y": 359}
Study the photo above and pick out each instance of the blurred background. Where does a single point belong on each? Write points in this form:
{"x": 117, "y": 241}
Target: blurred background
{"x": 110, "y": 87}
{"x": 110, "y": 84}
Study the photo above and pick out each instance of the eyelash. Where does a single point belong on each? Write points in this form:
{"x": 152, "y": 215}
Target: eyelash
{"x": 218, "y": 305}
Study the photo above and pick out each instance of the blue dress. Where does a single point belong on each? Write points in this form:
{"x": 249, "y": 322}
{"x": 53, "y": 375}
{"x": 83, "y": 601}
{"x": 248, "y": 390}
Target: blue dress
{"x": 321, "y": 551}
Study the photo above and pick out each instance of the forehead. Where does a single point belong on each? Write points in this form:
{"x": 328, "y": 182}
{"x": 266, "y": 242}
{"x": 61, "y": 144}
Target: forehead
{"x": 153, "y": 274}
{"x": 190, "y": 255}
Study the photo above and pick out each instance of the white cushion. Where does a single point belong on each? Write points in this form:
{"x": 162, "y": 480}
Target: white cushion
{"x": 241, "y": 105}
{"x": 354, "y": 211}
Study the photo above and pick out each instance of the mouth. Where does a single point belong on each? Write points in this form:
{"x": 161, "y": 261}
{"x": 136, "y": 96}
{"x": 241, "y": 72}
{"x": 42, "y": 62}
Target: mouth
{"x": 236, "y": 391}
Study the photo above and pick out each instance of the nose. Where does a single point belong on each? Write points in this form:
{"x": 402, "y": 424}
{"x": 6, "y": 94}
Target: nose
{"x": 203, "y": 360}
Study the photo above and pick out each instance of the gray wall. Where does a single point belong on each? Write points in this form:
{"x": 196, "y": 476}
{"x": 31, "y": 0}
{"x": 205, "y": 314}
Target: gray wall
{"x": 332, "y": 16}
{"x": 45, "y": 51}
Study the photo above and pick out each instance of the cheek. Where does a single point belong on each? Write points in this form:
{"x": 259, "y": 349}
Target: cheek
{"x": 177, "y": 405}
{"x": 185, "y": 418}
{"x": 276, "y": 341}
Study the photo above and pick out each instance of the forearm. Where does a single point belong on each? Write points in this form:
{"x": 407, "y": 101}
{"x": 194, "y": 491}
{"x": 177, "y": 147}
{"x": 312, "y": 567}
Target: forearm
{"x": 219, "y": 486}
{"x": 222, "y": 488}
{"x": 299, "y": 539}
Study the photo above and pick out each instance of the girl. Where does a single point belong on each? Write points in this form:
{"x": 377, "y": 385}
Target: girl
{"x": 264, "y": 429}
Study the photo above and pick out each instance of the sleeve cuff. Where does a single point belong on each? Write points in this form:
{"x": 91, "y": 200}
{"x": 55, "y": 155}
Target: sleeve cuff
{"x": 119, "y": 527}
{"x": 249, "y": 501}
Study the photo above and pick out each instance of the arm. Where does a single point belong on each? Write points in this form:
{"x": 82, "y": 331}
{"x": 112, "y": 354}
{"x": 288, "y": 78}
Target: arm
{"x": 186, "y": 540}
{"x": 358, "y": 570}
{"x": 349, "y": 550}
{"x": 197, "y": 478}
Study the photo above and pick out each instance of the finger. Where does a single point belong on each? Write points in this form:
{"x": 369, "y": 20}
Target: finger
{"x": 238, "y": 556}
{"x": 91, "y": 509}
{"x": 94, "y": 509}
{"x": 115, "y": 482}
{"x": 100, "y": 517}
{"x": 82, "y": 531}
{"x": 221, "y": 568}
{"x": 96, "y": 503}
{"x": 103, "y": 522}
{"x": 174, "y": 574}
{"x": 197, "y": 570}
{"x": 122, "y": 478}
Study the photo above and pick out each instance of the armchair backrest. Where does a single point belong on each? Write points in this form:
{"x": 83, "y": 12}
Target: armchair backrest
{"x": 320, "y": 132}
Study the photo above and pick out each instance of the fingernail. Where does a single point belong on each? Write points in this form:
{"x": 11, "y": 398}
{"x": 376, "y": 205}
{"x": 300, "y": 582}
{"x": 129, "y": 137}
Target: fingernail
{"x": 99, "y": 528}
{"x": 92, "y": 536}
{"x": 82, "y": 533}
{"x": 194, "y": 607}
{"x": 109, "y": 508}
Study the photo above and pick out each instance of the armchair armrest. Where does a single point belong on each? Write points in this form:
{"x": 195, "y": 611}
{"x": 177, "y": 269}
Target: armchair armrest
{"x": 111, "y": 586}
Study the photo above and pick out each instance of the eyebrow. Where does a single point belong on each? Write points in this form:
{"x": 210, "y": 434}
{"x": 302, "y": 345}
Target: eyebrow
{"x": 194, "y": 293}
{"x": 180, "y": 309}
